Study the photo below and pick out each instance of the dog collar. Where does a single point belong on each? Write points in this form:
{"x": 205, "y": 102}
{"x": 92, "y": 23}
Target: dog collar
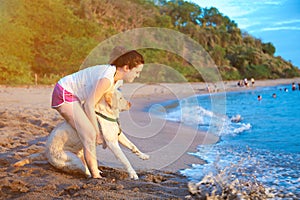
{"x": 109, "y": 119}
{"x": 105, "y": 117}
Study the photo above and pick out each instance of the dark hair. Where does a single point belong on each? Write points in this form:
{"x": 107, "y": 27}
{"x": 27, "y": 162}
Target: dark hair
{"x": 123, "y": 57}
{"x": 116, "y": 52}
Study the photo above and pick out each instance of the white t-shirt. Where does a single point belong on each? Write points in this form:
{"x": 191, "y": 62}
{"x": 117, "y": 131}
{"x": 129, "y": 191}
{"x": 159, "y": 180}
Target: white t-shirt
{"x": 83, "y": 82}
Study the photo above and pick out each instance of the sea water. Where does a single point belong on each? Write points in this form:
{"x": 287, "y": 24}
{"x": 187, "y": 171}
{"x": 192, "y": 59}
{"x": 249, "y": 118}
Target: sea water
{"x": 265, "y": 144}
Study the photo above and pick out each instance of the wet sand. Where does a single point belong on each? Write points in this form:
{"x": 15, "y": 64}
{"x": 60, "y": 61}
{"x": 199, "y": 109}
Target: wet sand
{"x": 26, "y": 120}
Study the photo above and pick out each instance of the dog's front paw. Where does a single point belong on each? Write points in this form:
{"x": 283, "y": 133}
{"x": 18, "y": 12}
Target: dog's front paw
{"x": 144, "y": 156}
{"x": 133, "y": 175}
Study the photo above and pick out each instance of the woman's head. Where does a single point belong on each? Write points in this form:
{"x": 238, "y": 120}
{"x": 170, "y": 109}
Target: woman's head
{"x": 120, "y": 57}
{"x": 128, "y": 63}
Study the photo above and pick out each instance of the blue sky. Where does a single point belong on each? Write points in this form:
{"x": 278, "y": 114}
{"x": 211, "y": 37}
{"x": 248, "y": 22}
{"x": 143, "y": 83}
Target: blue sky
{"x": 275, "y": 21}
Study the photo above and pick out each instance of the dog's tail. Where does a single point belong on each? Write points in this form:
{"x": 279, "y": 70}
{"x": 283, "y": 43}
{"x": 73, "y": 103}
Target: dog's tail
{"x": 30, "y": 159}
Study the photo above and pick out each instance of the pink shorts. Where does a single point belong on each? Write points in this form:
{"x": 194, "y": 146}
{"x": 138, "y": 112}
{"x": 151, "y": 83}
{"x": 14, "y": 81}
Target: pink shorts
{"x": 60, "y": 96}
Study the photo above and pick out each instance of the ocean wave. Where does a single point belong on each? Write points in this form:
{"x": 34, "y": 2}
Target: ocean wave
{"x": 199, "y": 117}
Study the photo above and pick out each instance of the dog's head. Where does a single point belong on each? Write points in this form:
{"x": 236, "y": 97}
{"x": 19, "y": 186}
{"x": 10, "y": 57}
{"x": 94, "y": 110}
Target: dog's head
{"x": 113, "y": 102}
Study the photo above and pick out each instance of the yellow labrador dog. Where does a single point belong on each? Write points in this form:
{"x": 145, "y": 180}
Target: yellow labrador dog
{"x": 64, "y": 149}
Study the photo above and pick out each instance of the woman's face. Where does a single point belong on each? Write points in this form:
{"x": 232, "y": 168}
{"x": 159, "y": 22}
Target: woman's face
{"x": 133, "y": 73}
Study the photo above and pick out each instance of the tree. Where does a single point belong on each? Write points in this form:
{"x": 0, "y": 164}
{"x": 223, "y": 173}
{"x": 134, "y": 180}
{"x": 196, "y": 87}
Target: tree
{"x": 268, "y": 48}
{"x": 218, "y": 54}
{"x": 182, "y": 12}
{"x": 15, "y": 47}
{"x": 212, "y": 17}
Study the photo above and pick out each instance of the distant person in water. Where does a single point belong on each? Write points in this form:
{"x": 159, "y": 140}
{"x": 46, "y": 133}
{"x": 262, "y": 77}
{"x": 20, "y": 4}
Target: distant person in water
{"x": 274, "y": 95}
{"x": 286, "y": 90}
{"x": 259, "y": 97}
{"x": 293, "y": 86}
{"x": 236, "y": 119}
{"x": 298, "y": 86}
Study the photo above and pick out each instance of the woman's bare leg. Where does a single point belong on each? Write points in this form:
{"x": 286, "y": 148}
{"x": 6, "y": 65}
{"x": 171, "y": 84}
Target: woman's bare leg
{"x": 76, "y": 117}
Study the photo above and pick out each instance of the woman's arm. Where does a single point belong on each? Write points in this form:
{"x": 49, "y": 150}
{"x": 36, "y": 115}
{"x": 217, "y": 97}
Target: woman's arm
{"x": 89, "y": 106}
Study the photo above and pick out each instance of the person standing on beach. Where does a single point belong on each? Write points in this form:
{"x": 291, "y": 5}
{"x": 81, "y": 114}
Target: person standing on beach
{"x": 252, "y": 81}
{"x": 75, "y": 97}
{"x": 246, "y": 82}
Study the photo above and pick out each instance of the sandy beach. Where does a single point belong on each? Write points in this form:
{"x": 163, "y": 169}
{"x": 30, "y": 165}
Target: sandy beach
{"x": 26, "y": 120}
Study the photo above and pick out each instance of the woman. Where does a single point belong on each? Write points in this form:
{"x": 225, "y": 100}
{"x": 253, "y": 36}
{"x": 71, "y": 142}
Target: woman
{"x": 86, "y": 87}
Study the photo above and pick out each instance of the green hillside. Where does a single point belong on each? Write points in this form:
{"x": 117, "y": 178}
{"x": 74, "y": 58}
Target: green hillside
{"x": 51, "y": 38}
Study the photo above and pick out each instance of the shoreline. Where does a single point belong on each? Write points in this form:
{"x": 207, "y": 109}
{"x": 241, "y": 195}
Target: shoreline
{"x": 26, "y": 120}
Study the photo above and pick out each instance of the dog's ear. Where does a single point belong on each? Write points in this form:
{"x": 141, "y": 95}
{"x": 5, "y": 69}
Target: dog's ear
{"x": 118, "y": 84}
{"x": 108, "y": 98}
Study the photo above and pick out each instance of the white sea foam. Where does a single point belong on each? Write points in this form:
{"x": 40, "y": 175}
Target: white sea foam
{"x": 279, "y": 172}
{"x": 197, "y": 116}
